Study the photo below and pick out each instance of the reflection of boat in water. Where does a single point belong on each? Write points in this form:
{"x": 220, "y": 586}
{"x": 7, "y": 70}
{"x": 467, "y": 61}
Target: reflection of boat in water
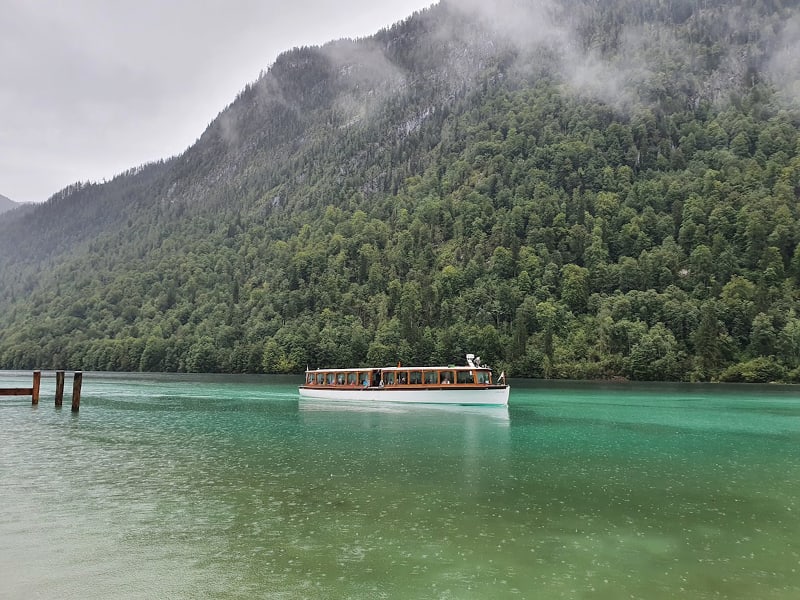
{"x": 466, "y": 385}
{"x": 467, "y": 446}
{"x": 310, "y": 406}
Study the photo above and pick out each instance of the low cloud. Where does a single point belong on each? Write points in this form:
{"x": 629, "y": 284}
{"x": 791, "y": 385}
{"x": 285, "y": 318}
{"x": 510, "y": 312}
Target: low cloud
{"x": 783, "y": 65}
{"x": 364, "y": 78}
{"x": 539, "y": 31}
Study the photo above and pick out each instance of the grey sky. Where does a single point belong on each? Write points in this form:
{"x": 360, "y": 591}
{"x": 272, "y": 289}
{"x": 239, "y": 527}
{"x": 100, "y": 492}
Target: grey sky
{"x": 90, "y": 88}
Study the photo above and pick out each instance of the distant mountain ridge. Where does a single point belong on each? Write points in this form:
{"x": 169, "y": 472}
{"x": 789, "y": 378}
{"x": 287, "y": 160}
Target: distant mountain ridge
{"x": 569, "y": 188}
{"x": 7, "y": 204}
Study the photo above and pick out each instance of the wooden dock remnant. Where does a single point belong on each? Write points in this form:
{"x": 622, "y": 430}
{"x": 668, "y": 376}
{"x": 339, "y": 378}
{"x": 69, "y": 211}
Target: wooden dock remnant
{"x": 32, "y": 391}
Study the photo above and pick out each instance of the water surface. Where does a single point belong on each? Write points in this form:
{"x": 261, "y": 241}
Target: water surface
{"x": 178, "y": 486}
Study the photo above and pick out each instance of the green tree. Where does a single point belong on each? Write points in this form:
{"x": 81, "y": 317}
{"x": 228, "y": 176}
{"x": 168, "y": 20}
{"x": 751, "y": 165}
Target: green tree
{"x": 763, "y": 337}
{"x": 575, "y": 287}
{"x": 655, "y": 356}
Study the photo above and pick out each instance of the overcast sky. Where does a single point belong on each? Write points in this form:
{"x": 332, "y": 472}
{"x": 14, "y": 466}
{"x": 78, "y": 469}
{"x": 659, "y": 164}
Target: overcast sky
{"x": 90, "y": 88}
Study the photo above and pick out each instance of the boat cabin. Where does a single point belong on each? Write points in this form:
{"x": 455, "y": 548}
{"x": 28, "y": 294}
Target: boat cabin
{"x": 409, "y": 377}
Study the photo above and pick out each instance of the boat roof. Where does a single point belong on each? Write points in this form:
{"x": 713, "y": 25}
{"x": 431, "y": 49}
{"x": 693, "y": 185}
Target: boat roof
{"x": 402, "y": 368}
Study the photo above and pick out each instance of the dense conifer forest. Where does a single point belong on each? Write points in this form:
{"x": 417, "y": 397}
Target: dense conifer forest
{"x": 571, "y": 189}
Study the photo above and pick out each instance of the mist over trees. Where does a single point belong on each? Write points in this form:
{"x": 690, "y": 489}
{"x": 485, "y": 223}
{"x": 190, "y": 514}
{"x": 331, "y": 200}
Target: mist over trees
{"x": 570, "y": 189}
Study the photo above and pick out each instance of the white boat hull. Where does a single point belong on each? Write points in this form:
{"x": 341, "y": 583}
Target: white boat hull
{"x": 494, "y": 396}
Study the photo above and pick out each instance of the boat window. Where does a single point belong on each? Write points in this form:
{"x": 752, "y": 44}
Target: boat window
{"x": 309, "y": 378}
{"x": 430, "y": 377}
{"x": 330, "y": 378}
{"x": 388, "y": 378}
{"x": 320, "y": 378}
{"x": 402, "y": 378}
{"x": 352, "y": 378}
{"x": 445, "y": 377}
{"x": 466, "y": 377}
{"x": 483, "y": 377}
{"x": 415, "y": 377}
{"x": 363, "y": 377}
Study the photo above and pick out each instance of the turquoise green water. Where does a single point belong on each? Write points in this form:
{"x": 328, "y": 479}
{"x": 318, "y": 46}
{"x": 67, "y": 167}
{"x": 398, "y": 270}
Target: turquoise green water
{"x": 230, "y": 487}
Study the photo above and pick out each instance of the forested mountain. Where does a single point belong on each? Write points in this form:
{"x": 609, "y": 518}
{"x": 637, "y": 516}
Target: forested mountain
{"x": 575, "y": 188}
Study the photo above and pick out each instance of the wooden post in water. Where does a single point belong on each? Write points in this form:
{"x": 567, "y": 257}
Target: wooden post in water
{"x": 59, "y": 388}
{"x": 76, "y": 391}
{"x": 37, "y": 379}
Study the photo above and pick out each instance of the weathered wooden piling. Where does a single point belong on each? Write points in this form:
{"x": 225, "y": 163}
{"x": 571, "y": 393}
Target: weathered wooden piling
{"x": 37, "y": 380}
{"x": 59, "y": 388}
{"x": 76, "y": 391}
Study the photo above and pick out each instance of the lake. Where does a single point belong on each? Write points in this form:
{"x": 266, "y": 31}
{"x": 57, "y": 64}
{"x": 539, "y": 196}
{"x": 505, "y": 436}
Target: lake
{"x": 191, "y": 486}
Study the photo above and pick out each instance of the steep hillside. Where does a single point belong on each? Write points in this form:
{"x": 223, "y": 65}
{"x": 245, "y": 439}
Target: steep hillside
{"x": 571, "y": 189}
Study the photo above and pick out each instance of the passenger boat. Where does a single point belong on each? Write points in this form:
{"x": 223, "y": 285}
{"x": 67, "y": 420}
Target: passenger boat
{"x": 469, "y": 384}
